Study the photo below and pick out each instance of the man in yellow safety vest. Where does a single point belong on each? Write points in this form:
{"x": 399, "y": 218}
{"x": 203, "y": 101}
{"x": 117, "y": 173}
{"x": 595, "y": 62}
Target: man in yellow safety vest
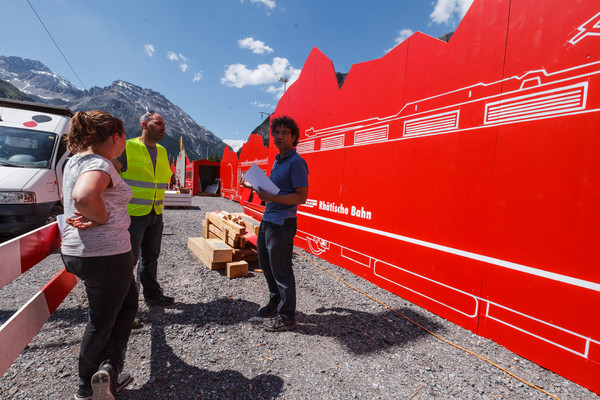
{"x": 144, "y": 165}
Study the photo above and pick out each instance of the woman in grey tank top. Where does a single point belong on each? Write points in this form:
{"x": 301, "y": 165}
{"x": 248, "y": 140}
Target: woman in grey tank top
{"x": 96, "y": 248}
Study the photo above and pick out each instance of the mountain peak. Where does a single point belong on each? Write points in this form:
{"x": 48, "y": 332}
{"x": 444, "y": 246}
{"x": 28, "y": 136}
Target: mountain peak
{"x": 122, "y": 99}
{"x": 19, "y": 65}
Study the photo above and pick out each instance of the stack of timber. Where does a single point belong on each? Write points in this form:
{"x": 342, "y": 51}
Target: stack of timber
{"x": 178, "y": 198}
{"x": 228, "y": 242}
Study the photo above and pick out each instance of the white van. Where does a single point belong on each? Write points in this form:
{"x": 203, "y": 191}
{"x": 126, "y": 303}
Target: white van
{"x": 32, "y": 159}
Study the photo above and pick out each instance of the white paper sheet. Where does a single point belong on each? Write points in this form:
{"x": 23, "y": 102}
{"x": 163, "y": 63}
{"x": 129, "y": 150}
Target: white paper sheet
{"x": 259, "y": 179}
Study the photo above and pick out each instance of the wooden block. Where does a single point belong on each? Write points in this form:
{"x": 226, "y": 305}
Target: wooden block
{"x": 236, "y": 269}
{"x": 195, "y": 245}
{"x": 246, "y": 253}
{"x": 214, "y": 249}
{"x": 251, "y": 224}
{"x": 249, "y": 254}
{"x": 237, "y": 255}
{"x": 220, "y": 251}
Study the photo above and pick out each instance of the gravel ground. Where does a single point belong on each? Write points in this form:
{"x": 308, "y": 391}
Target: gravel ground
{"x": 210, "y": 345}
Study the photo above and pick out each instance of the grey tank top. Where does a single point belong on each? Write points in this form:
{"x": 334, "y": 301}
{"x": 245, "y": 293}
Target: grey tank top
{"x": 103, "y": 240}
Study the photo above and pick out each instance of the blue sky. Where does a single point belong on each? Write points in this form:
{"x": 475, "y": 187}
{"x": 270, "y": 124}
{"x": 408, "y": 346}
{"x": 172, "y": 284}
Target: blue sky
{"x": 219, "y": 60}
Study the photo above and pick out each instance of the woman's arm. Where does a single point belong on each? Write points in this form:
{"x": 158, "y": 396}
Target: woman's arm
{"x": 86, "y": 195}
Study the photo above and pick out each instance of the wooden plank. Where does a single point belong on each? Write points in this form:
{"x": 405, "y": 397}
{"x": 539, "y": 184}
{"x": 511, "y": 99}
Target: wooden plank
{"x": 199, "y": 249}
{"x": 246, "y": 254}
{"x": 251, "y": 224}
{"x": 204, "y": 229}
{"x": 237, "y": 269}
{"x": 215, "y": 249}
{"x": 240, "y": 230}
{"x": 227, "y": 236}
{"x": 216, "y": 231}
{"x": 220, "y": 222}
{"x": 221, "y": 252}
{"x": 224, "y": 226}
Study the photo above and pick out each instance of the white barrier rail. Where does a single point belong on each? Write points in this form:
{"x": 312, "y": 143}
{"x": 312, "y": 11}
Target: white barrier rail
{"x": 17, "y": 256}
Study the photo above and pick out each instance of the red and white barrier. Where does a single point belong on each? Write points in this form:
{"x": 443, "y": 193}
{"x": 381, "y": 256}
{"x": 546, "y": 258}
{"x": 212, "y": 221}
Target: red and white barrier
{"x": 17, "y": 256}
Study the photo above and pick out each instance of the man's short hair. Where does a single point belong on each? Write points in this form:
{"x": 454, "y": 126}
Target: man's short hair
{"x": 289, "y": 123}
{"x": 144, "y": 118}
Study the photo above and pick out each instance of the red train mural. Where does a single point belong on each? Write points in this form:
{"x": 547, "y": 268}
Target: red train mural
{"x": 464, "y": 176}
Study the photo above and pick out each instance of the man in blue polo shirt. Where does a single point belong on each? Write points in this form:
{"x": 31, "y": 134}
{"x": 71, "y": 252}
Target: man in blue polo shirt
{"x": 275, "y": 242}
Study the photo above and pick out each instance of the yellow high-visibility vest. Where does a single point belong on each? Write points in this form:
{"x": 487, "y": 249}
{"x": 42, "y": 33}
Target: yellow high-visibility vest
{"x": 148, "y": 185}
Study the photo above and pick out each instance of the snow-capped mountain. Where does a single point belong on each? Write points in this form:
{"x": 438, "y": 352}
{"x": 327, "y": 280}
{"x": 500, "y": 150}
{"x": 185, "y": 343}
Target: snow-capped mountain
{"x": 122, "y": 99}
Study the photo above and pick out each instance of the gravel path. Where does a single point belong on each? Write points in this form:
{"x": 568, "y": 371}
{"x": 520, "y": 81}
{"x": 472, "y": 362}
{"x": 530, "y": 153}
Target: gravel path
{"x": 210, "y": 345}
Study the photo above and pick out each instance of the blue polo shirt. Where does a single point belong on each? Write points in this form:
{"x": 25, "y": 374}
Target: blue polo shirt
{"x": 288, "y": 173}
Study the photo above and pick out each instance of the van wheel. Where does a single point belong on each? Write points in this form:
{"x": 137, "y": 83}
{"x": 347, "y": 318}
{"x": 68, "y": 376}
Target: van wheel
{"x": 56, "y": 210}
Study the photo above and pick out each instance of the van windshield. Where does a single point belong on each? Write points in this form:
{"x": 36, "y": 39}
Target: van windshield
{"x": 25, "y": 147}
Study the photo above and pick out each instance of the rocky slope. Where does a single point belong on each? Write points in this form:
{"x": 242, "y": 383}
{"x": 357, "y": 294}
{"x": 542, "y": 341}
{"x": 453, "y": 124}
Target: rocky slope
{"x": 123, "y": 99}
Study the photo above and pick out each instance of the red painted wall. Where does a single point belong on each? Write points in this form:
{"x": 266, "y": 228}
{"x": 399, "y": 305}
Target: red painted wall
{"x": 464, "y": 176}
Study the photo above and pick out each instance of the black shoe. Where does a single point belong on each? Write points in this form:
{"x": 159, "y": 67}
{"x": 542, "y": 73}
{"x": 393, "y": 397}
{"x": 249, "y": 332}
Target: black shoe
{"x": 137, "y": 324}
{"x": 103, "y": 382}
{"x": 161, "y": 300}
{"x": 280, "y": 324}
{"x": 267, "y": 311}
{"x": 83, "y": 395}
{"x": 123, "y": 380}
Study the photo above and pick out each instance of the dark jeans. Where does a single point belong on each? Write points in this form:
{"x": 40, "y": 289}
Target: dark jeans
{"x": 112, "y": 306}
{"x": 146, "y": 235}
{"x": 275, "y": 245}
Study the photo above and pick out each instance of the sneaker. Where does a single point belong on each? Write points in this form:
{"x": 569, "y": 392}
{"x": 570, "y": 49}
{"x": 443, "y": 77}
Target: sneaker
{"x": 81, "y": 395}
{"x": 123, "y": 380}
{"x": 102, "y": 382}
{"x": 161, "y": 300}
{"x": 267, "y": 311}
{"x": 137, "y": 324}
{"x": 280, "y": 324}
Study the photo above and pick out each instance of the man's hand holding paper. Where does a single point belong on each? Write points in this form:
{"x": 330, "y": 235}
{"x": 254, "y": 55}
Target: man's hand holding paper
{"x": 259, "y": 180}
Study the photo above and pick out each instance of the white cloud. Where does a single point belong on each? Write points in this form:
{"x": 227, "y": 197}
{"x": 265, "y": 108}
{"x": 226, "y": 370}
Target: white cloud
{"x": 447, "y": 11}
{"x": 402, "y": 36}
{"x": 238, "y": 75}
{"x": 257, "y": 46}
{"x": 234, "y": 144}
{"x": 262, "y": 105}
{"x": 172, "y": 56}
{"x": 149, "y": 49}
{"x": 178, "y": 57}
{"x": 197, "y": 76}
{"x": 270, "y": 4}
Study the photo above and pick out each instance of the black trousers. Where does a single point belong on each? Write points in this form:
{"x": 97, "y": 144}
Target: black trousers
{"x": 275, "y": 245}
{"x": 146, "y": 237}
{"x": 112, "y": 306}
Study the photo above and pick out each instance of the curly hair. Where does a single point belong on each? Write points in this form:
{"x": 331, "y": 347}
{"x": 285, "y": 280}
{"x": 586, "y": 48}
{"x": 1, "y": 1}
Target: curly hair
{"x": 92, "y": 127}
{"x": 289, "y": 123}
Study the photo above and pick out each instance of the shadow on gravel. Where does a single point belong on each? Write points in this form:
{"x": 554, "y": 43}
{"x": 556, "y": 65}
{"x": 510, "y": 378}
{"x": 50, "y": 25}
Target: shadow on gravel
{"x": 363, "y": 332}
{"x": 171, "y": 377}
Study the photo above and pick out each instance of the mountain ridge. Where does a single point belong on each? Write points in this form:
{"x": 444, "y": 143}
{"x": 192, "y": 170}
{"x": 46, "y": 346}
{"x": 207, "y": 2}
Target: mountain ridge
{"x": 123, "y": 99}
